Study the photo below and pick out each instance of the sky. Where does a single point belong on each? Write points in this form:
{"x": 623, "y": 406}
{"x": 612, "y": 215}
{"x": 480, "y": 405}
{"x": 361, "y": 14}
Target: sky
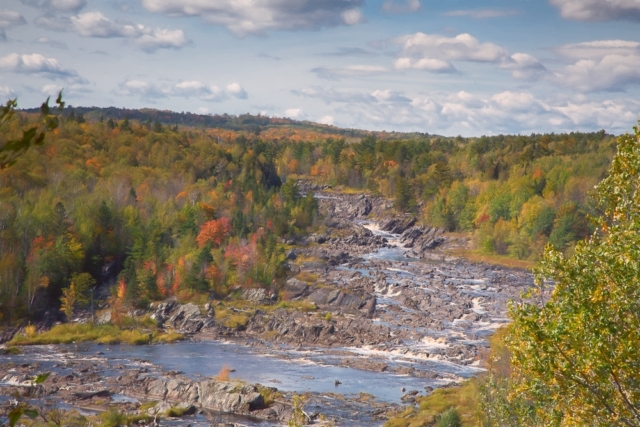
{"x": 447, "y": 67}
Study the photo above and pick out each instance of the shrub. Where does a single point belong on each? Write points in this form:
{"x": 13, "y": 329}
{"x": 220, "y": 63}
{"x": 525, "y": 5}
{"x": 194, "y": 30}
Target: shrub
{"x": 449, "y": 418}
{"x": 30, "y": 331}
{"x": 223, "y": 375}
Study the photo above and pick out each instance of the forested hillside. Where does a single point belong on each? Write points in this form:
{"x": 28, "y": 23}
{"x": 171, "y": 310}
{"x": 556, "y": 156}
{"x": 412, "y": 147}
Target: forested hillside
{"x": 515, "y": 193}
{"x": 166, "y": 210}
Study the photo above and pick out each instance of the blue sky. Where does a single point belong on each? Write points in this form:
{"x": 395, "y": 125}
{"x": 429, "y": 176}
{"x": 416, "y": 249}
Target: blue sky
{"x": 455, "y": 67}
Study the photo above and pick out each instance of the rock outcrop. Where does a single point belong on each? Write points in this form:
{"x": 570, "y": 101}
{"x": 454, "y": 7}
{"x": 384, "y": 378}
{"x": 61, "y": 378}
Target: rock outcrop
{"x": 184, "y": 318}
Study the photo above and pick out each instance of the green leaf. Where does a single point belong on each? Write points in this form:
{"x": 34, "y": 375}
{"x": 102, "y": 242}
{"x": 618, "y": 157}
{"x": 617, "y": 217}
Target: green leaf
{"x": 15, "y": 415}
{"x": 42, "y": 378}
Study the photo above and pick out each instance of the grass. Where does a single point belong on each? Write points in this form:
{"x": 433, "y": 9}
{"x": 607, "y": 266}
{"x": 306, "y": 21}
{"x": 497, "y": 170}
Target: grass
{"x": 237, "y": 313}
{"x": 495, "y": 259}
{"x": 269, "y": 395}
{"x": 115, "y": 418}
{"x": 9, "y": 351}
{"x": 230, "y": 318}
{"x": 104, "y": 334}
{"x": 177, "y": 412}
{"x": 307, "y": 277}
{"x": 304, "y": 306}
{"x": 147, "y": 405}
{"x": 465, "y": 399}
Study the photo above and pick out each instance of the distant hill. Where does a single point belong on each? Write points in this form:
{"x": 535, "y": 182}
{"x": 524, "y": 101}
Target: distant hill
{"x": 244, "y": 122}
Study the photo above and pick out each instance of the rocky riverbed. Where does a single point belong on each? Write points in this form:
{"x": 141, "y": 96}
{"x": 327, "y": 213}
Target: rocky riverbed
{"x": 387, "y": 301}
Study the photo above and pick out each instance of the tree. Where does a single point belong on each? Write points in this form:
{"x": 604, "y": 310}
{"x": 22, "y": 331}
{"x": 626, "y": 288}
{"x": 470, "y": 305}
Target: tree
{"x": 578, "y": 352}
{"x": 404, "y": 194}
{"x": 34, "y": 135}
{"x": 214, "y": 232}
{"x": 68, "y": 301}
{"x": 82, "y": 284}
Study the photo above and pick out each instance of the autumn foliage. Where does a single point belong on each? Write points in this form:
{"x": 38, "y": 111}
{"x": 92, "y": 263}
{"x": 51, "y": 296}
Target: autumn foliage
{"x": 214, "y": 232}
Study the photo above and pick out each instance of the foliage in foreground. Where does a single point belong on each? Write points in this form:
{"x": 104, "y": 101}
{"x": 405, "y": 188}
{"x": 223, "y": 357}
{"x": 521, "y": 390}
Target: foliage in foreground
{"x": 576, "y": 356}
{"x": 443, "y": 406}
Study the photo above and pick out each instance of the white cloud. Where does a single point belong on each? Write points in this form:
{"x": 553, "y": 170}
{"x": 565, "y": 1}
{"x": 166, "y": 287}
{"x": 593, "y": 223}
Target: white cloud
{"x": 470, "y": 114}
{"x": 523, "y": 66}
{"x": 463, "y": 47}
{"x": 261, "y": 16}
{"x": 57, "y": 5}
{"x": 184, "y": 89}
{"x": 236, "y": 90}
{"x": 352, "y": 16}
{"x": 613, "y": 72}
{"x": 349, "y": 71}
{"x": 602, "y": 65}
{"x": 389, "y": 96}
{"x": 598, "y": 10}
{"x": 326, "y": 120}
{"x": 599, "y": 49}
{"x": 49, "y": 42}
{"x": 38, "y": 65}
{"x": 427, "y": 64}
{"x": 95, "y": 24}
{"x": 294, "y": 113}
{"x": 435, "y": 53}
{"x": 9, "y": 19}
{"x": 6, "y": 93}
{"x": 406, "y": 6}
{"x": 482, "y": 13}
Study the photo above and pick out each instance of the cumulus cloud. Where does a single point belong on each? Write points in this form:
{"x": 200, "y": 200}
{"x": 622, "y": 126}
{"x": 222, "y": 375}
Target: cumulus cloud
{"x": 435, "y": 53}
{"x": 338, "y": 73}
{"x": 38, "y": 65}
{"x": 236, "y": 90}
{"x": 326, "y": 120}
{"x": 184, "y": 89}
{"x": 602, "y": 65}
{"x": 598, "y": 10}
{"x": 294, "y": 113}
{"x": 482, "y": 13}
{"x": 470, "y": 114}
{"x": 523, "y": 66}
{"x": 329, "y": 95}
{"x": 95, "y": 24}
{"x": 261, "y": 16}
{"x": 406, "y": 6}
{"x": 57, "y": 5}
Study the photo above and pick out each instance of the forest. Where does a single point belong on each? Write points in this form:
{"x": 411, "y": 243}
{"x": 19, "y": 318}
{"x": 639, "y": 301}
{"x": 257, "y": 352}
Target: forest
{"x": 161, "y": 211}
{"x": 166, "y": 210}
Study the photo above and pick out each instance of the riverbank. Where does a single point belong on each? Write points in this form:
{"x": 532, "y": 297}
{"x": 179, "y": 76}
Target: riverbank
{"x": 372, "y": 304}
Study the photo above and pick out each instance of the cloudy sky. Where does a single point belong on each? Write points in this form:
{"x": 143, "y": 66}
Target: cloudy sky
{"x": 451, "y": 67}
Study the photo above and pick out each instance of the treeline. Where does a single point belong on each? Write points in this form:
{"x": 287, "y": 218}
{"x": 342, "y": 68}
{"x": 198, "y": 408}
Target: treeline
{"x": 160, "y": 211}
{"x": 242, "y": 122}
{"x": 516, "y": 193}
